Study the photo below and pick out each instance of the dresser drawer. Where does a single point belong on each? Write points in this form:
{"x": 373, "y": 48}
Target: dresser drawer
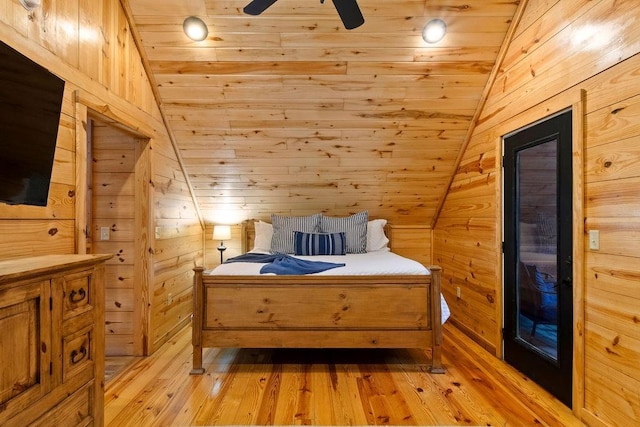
{"x": 78, "y": 293}
{"x": 77, "y": 353}
{"x": 75, "y": 410}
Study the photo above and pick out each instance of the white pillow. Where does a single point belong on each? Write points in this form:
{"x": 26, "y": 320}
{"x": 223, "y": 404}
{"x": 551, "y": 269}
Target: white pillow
{"x": 376, "y": 239}
{"x": 262, "y": 241}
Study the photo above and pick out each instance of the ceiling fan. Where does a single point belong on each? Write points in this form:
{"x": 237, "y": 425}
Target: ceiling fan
{"x": 347, "y": 9}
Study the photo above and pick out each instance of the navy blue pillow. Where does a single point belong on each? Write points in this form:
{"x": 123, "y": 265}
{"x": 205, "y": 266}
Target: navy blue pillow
{"x": 319, "y": 243}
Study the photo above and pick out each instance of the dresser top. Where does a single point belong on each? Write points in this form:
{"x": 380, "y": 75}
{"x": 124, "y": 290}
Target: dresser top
{"x": 24, "y": 268}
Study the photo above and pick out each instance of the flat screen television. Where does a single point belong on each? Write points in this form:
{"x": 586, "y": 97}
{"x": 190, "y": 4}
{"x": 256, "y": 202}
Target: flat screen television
{"x": 30, "y": 104}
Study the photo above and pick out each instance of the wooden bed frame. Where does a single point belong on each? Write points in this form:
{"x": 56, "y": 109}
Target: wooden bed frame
{"x": 317, "y": 311}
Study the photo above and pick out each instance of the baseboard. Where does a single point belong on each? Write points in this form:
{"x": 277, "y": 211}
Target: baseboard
{"x": 165, "y": 337}
{"x": 491, "y": 348}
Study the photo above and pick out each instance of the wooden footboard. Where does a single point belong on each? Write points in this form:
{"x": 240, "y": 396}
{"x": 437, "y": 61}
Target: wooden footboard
{"x": 394, "y": 311}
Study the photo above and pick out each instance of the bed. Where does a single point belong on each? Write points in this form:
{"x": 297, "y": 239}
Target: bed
{"x": 355, "y": 306}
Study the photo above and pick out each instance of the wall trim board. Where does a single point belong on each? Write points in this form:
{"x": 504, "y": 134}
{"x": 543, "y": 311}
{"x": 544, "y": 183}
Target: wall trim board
{"x": 579, "y": 369}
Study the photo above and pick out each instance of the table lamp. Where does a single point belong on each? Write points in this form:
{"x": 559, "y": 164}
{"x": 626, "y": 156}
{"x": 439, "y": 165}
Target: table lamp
{"x": 222, "y": 233}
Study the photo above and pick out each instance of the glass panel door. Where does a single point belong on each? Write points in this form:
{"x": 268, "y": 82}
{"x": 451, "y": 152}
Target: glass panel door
{"x": 538, "y": 243}
{"x": 537, "y": 247}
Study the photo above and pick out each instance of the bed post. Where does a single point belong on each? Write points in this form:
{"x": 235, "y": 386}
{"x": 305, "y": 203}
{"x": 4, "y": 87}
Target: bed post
{"x": 196, "y": 322}
{"x": 436, "y": 321}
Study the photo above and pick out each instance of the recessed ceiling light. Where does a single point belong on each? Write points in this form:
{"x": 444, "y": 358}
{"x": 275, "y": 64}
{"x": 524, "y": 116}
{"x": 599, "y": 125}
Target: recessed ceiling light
{"x": 195, "y": 28}
{"x": 434, "y": 31}
{"x": 30, "y": 4}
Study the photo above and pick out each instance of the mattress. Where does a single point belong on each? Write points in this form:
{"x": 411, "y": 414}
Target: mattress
{"x": 370, "y": 263}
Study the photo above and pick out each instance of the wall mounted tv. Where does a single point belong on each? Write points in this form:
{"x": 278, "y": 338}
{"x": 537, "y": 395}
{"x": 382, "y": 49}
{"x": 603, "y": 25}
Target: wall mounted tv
{"x": 30, "y": 104}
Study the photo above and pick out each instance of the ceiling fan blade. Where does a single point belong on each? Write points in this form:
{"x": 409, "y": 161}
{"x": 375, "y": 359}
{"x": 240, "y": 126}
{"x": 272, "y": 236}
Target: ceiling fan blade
{"x": 256, "y": 7}
{"x": 349, "y": 13}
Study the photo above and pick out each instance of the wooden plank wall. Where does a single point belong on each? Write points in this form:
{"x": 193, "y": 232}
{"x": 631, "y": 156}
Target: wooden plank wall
{"x": 560, "y": 47}
{"x": 89, "y": 44}
{"x": 290, "y": 113}
{"x": 412, "y": 241}
{"x": 113, "y": 203}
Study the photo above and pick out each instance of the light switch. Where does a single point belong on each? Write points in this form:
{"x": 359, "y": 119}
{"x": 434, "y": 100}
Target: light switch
{"x": 594, "y": 240}
{"x": 104, "y": 233}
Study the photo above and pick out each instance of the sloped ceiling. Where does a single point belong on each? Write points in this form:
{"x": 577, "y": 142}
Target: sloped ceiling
{"x": 288, "y": 112}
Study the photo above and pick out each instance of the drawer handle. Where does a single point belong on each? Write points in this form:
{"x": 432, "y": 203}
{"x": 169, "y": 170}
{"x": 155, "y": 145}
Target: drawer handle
{"x": 78, "y": 356}
{"x": 77, "y": 296}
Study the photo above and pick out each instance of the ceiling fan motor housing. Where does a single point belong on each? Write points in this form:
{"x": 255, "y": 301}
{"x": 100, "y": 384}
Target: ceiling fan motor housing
{"x": 348, "y": 10}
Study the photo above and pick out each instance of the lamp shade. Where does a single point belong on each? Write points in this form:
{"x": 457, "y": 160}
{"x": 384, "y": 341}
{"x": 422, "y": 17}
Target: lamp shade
{"x": 221, "y": 232}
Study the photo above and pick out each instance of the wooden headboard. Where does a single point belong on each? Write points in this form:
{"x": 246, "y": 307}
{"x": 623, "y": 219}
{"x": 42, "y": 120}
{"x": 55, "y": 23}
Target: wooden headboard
{"x": 248, "y": 235}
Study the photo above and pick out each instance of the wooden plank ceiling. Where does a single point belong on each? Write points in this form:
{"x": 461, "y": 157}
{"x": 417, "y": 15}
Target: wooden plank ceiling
{"x": 288, "y": 112}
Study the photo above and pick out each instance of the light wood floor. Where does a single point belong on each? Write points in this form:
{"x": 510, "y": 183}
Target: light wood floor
{"x": 327, "y": 387}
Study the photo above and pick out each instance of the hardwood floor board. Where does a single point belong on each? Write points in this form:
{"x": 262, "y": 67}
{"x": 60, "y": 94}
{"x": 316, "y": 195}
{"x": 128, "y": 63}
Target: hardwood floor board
{"x": 379, "y": 396}
{"x": 444, "y": 395}
{"x": 290, "y": 387}
{"x": 115, "y": 365}
{"x": 519, "y": 398}
{"x": 301, "y": 415}
{"x": 161, "y": 394}
{"x": 227, "y": 389}
{"x": 260, "y": 400}
{"x": 483, "y": 380}
{"x": 344, "y": 394}
{"x": 122, "y": 390}
{"x": 324, "y": 411}
{"x": 328, "y": 387}
{"x": 206, "y": 385}
{"x": 178, "y": 391}
{"x": 464, "y": 398}
{"x": 183, "y": 401}
{"x": 412, "y": 386}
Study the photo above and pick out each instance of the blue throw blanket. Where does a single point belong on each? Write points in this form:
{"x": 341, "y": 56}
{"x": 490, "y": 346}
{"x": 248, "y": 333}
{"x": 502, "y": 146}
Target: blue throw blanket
{"x": 285, "y": 264}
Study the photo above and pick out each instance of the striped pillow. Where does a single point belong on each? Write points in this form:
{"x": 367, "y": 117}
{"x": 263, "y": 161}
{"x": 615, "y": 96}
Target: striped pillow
{"x": 319, "y": 243}
{"x": 282, "y": 241}
{"x": 354, "y": 227}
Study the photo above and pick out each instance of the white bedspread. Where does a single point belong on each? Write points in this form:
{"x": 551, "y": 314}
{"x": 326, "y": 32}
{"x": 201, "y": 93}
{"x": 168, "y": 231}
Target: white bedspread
{"x": 370, "y": 263}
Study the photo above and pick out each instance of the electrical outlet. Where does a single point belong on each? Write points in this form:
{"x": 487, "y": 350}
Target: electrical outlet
{"x": 157, "y": 232}
{"x": 169, "y": 299}
{"x": 458, "y": 291}
{"x": 104, "y": 233}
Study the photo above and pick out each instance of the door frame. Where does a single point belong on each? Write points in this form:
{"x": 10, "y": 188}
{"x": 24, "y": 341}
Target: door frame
{"x": 86, "y": 108}
{"x": 574, "y": 99}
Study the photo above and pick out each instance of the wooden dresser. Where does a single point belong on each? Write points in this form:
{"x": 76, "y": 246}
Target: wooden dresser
{"x": 52, "y": 340}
